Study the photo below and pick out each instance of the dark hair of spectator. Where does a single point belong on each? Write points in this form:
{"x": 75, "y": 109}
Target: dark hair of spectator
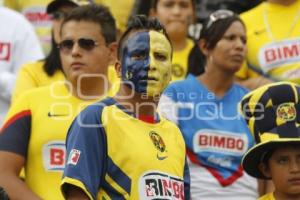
{"x": 215, "y": 32}
{"x": 95, "y": 13}
{"x": 140, "y": 23}
{"x": 52, "y": 60}
{"x": 155, "y": 2}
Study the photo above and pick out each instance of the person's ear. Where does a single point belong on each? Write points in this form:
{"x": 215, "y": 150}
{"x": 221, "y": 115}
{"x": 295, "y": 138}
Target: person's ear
{"x": 265, "y": 170}
{"x": 113, "y": 47}
{"x": 118, "y": 68}
{"x": 203, "y": 47}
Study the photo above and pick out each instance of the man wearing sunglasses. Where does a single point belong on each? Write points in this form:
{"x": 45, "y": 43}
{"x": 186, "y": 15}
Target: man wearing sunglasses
{"x": 46, "y": 71}
{"x": 35, "y": 129}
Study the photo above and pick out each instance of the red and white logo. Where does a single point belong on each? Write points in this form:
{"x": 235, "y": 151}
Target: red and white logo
{"x": 38, "y": 16}
{"x": 5, "y": 49}
{"x": 216, "y": 141}
{"x": 158, "y": 185}
{"x": 278, "y": 53}
{"x": 74, "y": 157}
{"x": 54, "y": 154}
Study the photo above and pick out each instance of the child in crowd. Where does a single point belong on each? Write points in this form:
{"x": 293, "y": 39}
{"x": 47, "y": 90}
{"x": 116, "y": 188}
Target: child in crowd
{"x": 272, "y": 113}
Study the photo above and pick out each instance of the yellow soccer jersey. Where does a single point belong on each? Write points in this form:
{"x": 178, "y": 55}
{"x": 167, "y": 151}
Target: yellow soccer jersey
{"x": 35, "y": 12}
{"x": 32, "y": 75}
{"x": 180, "y": 62}
{"x": 273, "y": 38}
{"x": 113, "y": 78}
{"x": 269, "y": 196}
{"x": 113, "y": 155}
{"x": 36, "y": 128}
{"x": 120, "y": 9}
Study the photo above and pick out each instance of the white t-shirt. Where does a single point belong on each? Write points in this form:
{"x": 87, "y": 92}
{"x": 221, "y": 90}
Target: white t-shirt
{"x": 18, "y": 45}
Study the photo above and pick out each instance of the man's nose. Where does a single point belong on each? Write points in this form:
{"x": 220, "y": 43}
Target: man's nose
{"x": 294, "y": 166}
{"x": 76, "y": 50}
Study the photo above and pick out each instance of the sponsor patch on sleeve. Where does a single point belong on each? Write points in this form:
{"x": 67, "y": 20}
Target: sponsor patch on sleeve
{"x": 74, "y": 157}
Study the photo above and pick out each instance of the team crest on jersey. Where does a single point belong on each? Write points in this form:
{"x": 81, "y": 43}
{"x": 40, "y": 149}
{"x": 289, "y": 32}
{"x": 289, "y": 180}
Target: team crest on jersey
{"x": 286, "y": 112}
{"x": 159, "y": 145}
{"x": 157, "y": 141}
{"x": 161, "y": 186}
{"x": 74, "y": 157}
{"x": 177, "y": 70}
{"x": 54, "y": 155}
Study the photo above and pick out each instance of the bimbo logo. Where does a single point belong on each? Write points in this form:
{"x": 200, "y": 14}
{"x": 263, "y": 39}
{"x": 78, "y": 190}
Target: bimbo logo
{"x": 54, "y": 155}
{"x": 212, "y": 140}
{"x": 284, "y": 52}
{"x": 160, "y": 186}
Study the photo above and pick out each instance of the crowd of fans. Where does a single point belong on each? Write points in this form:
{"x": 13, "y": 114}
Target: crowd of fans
{"x": 149, "y": 99}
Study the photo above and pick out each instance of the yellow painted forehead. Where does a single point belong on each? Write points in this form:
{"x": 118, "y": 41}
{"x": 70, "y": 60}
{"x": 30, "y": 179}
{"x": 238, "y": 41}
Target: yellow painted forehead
{"x": 159, "y": 41}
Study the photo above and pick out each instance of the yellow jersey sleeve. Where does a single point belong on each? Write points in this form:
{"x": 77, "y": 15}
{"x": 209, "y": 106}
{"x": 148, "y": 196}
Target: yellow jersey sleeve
{"x": 32, "y": 75}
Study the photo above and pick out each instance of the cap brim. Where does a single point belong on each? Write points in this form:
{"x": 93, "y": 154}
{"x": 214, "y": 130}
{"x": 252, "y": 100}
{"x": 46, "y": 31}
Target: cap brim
{"x": 253, "y": 156}
{"x": 54, "y": 5}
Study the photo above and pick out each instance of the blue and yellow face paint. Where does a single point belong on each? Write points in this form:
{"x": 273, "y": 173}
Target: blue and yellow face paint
{"x": 146, "y": 62}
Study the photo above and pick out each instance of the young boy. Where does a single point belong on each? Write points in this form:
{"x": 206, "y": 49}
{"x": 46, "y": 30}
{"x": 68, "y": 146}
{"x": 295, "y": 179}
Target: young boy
{"x": 272, "y": 113}
{"x": 121, "y": 148}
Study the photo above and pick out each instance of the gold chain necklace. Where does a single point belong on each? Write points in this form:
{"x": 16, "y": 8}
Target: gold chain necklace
{"x": 267, "y": 25}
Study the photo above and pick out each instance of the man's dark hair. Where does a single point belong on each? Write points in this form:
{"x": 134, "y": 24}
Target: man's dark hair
{"x": 140, "y": 23}
{"x": 98, "y": 14}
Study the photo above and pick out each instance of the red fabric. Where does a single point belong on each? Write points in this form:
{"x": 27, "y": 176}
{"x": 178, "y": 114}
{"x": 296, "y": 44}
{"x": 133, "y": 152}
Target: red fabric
{"x": 15, "y": 118}
{"x": 148, "y": 119}
{"x": 224, "y": 182}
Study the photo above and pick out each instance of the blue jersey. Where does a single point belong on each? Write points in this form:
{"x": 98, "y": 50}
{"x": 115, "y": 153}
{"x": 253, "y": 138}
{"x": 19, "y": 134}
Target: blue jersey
{"x": 113, "y": 155}
{"x": 216, "y": 135}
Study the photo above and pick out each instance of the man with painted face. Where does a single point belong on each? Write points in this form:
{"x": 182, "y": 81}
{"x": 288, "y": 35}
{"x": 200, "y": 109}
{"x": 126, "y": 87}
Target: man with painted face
{"x": 120, "y": 148}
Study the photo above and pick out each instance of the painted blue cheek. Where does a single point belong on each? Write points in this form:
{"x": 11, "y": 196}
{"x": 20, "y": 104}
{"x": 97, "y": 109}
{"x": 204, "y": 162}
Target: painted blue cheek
{"x": 135, "y": 71}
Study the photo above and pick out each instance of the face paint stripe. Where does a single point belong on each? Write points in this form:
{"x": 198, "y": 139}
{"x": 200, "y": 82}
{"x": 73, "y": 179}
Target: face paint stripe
{"x": 135, "y": 61}
{"x": 146, "y": 62}
{"x": 159, "y": 43}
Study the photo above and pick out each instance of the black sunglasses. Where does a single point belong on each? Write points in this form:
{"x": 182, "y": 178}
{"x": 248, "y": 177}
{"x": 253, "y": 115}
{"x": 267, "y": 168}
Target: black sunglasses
{"x": 57, "y": 15}
{"x": 217, "y": 15}
{"x": 66, "y": 46}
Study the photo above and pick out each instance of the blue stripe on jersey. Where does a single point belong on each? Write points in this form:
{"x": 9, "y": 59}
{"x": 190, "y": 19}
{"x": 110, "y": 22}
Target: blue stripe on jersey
{"x": 14, "y": 136}
{"x": 118, "y": 176}
{"x": 112, "y": 192}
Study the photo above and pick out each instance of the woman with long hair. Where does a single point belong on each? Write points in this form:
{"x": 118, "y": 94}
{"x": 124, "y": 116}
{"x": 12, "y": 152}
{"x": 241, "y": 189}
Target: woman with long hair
{"x": 205, "y": 109}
